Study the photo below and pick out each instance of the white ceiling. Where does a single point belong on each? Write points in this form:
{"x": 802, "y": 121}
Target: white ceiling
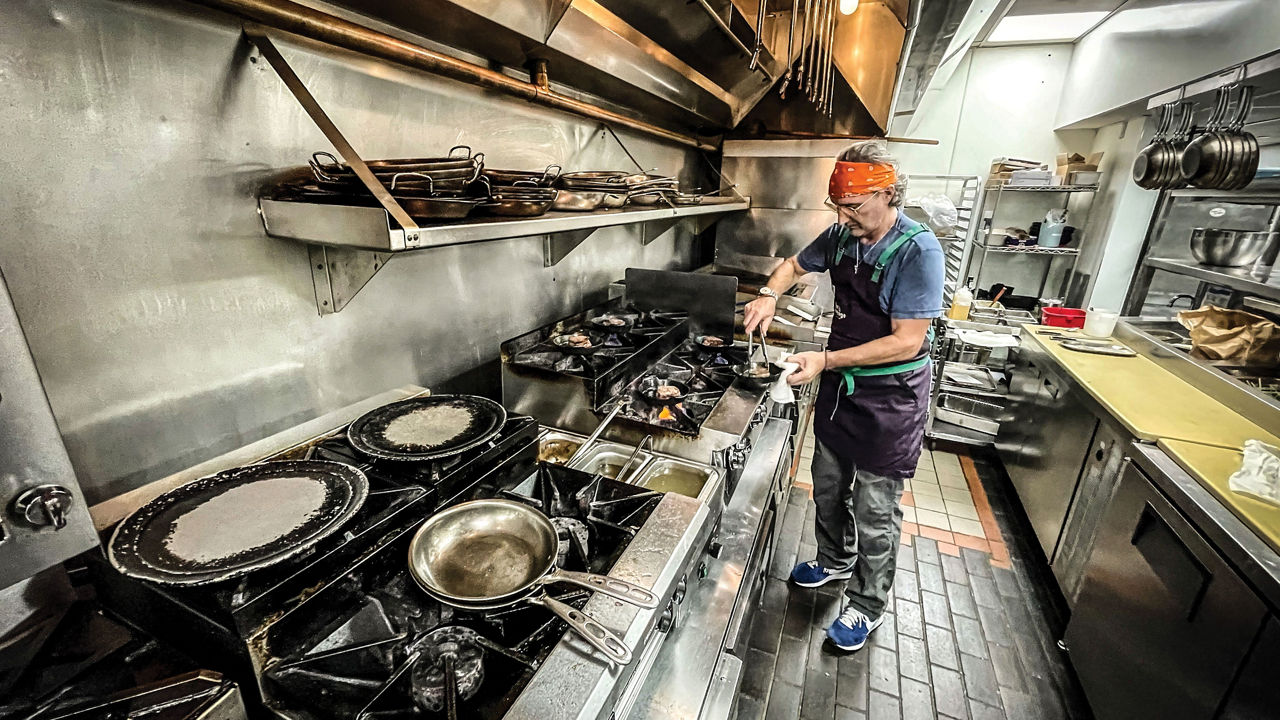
{"x": 1053, "y": 7}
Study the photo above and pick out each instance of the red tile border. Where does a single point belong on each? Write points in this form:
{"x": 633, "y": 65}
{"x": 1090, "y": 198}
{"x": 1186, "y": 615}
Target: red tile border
{"x": 975, "y": 543}
{"x": 949, "y": 549}
{"x": 907, "y": 539}
{"x": 908, "y": 499}
{"x": 910, "y": 528}
{"x": 1000, "y": 555}
{"x": 942, "y": 536}
{"x": 988, "y": 519}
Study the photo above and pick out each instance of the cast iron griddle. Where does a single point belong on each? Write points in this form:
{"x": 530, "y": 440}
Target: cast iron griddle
{"x": 179, "y": 537}
{"x": 471, "y": 420}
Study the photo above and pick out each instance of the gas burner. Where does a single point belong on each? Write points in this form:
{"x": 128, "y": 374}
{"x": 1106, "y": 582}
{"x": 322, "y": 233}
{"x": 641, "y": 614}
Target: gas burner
{"x": 573, "y": 537}
{"x": 449, "y": 670}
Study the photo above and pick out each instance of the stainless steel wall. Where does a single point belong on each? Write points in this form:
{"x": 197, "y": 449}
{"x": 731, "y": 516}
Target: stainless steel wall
{"x": 167, "y": 327}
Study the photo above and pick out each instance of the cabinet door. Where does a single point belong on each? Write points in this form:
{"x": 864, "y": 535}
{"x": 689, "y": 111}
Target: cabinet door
{"x": 1058, "y": 436}
{"x": 1256, "y": 693}
{"x": 1162, "y": 623}
{"x": 1098, "y": 481}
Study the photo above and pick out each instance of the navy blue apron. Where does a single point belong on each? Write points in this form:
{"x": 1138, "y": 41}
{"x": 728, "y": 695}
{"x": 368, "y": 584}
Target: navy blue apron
{"x": 878, "y": 422}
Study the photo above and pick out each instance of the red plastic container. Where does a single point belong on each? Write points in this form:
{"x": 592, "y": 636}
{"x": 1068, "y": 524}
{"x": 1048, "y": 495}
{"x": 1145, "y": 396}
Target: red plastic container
{"x": 1062, "y": 317}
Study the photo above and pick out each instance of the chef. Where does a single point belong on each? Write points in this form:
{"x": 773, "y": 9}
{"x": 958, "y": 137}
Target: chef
{"x": 887, "y": 273}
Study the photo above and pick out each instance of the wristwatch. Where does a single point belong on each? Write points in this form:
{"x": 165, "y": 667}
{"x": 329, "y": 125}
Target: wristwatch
{"x": 769, "y": 292}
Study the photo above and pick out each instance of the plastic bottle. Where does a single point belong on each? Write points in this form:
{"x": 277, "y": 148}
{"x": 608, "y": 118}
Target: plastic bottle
{"x": 961, "y": 303}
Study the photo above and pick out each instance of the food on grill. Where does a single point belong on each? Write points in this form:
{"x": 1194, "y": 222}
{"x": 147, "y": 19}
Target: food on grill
{"x": 612, "y": 321}
{"x": 757, "y": 370}
{"x": 713, "y": 342}
{"x": 428, "y": 427}
{"x": 579, "y": 340}
{"x": 667, "y": 392}
{"x": 238, "y": 520}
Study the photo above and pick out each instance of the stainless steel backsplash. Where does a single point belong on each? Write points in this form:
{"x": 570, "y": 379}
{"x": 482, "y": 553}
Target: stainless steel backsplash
{"x": 167, "y": 327}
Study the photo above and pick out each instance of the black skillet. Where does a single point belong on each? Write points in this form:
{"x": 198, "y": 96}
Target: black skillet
{"x": 473, "y": 421}
{"x": 562, "y": 343}
{"x": 649, "y": 391}
{"x": 613, "y": 322}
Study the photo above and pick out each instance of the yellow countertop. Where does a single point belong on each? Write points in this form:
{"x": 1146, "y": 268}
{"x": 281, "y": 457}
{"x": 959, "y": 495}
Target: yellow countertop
{"x": 1211, "y": 467}
{"x": 1151, "y": 402}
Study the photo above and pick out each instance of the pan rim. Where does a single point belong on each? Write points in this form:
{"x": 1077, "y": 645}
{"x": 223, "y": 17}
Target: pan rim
{"x": 505, "y": 599}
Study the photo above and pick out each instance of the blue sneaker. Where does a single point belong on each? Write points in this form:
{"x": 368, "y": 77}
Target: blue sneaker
{"x": 811, "y": 574}
{"x": 851, "y": 630}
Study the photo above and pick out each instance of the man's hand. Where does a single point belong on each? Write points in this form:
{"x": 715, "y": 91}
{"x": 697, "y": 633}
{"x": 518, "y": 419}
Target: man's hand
{"x": 759, "y": 312}
{"x": 811, "y": 363}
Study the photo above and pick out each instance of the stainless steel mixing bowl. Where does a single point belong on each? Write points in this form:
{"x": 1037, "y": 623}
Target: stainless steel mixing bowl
{"x": 1229, "y": 248}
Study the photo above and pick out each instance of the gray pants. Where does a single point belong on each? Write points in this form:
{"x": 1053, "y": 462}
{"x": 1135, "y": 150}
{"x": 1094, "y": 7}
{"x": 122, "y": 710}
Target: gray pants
{"x": 858, "y": 523}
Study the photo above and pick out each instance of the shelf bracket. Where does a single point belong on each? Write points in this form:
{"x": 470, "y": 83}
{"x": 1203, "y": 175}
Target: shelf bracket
{"x": 338, "y": 273}
{"x": 258, "y": 36}
{"x": 654, "y": 229}
{"x": 557, "y": 246}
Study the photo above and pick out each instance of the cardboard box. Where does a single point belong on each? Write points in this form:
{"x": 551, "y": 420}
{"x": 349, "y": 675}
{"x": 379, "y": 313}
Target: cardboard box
{"x": 1085, "y": 177}
{"x": 1075, "y": 162}
{"x": 1030, "y": 178}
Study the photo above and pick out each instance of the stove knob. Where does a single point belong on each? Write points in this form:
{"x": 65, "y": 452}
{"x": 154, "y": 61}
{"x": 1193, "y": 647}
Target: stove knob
{"x": 681, "y": 587}
{"x": 44, "y": 505}
{"x": 667, "y": 619}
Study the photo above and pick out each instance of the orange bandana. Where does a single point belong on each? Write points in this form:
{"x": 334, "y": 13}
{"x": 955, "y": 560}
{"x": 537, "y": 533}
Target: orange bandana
{"x": 850, "y": 179}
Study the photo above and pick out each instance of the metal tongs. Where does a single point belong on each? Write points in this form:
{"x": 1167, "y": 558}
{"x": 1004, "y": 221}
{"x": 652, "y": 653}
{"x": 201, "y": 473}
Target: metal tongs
{"x": 764, "y": 345}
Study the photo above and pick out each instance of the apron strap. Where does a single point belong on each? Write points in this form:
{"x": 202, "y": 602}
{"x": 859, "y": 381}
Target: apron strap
{"x": 883, "y": 261}
{"x": 849, "y": 374}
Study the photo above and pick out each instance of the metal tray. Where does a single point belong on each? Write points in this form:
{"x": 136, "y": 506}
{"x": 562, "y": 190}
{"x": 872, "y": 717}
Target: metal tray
{"x": 969, "y": 412}
{"x": 608, "y": 459}
{"x": 976, "y": 377}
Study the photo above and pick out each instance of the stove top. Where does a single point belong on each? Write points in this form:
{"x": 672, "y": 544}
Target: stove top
{"x": 345, "y": 632}
{"x": 608, "y": 347}
{"x": 706, "y": 374}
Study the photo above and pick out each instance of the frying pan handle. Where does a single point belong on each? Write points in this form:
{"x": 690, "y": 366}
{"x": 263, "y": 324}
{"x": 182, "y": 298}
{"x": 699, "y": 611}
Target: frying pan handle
{"x": 605, "y": 585}
{"x": 460, "y": 147}
{"x": 593, "y": 632}
{"x": 1246, "y": 105}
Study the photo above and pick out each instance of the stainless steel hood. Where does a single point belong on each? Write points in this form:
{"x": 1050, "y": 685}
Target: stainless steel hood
{"x": 615, "y": 51}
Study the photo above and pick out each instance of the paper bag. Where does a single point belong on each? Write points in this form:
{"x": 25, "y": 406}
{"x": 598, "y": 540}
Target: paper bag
{"x": 1221, "y": 334}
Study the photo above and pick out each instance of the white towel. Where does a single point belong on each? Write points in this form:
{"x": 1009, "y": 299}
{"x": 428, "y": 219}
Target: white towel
{"x": 781, "y": 391}
{"x": 1259, "y": 474}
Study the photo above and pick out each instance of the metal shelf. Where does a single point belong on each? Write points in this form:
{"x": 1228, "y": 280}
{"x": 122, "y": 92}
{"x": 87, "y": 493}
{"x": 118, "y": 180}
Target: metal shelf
{"x": 371, "y": 228}
{"x": 1044, "y": 188}
{"x": 1028, "y": 249}
{"x": 1239, "y": 279}
{"x": 347, "y": 245}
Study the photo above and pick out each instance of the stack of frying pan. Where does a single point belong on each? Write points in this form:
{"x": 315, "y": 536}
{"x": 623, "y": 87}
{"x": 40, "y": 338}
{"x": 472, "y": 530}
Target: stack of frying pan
{"x": 1220, "y": 156}
{"x": 427, "y": 188}
{"x": 620, "y": 188}
{"x": 518, "y": 193}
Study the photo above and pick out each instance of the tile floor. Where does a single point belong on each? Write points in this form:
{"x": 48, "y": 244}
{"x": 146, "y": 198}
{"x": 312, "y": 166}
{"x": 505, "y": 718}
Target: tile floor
{"x": 973, "y": 625}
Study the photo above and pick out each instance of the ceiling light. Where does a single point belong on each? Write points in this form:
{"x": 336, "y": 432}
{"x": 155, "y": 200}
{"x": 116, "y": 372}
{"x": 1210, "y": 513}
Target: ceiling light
{"x": 1045, "y": 28}
{"x": 848, "y": 6}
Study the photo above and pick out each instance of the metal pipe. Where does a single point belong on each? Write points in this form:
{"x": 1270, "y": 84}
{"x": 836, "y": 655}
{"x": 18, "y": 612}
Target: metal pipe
{"x": 831, "y": 65}
{"x": 330, "y": 29}
{"x": 817, "y": 46}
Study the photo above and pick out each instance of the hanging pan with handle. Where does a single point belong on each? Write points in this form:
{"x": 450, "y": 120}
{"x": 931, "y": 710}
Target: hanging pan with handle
{"x": 1243, "y": 162}
{"x": 492, "y": 553}
{"x": 1204, "y": 157}
{"x": 1146, "y": 167}
{"x": 229, "y": 524}
{"x": 427, "y": 428}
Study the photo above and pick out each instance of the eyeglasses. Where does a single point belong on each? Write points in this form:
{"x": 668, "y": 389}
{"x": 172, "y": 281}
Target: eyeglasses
{"x": 853, "y": 210}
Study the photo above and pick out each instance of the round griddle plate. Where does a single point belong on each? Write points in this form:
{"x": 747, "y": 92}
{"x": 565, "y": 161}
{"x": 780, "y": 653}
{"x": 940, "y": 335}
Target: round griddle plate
{"x": 138, "y": 547}
{"x": 484, "y": 419}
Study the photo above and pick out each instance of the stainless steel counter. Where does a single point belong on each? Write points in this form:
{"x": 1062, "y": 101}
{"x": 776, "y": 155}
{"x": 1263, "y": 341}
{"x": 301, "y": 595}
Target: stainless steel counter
{"x": 686, "y": 678}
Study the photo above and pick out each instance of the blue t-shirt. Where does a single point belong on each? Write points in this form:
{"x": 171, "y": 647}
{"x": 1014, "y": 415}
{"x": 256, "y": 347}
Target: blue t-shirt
{"x": 912, "y": 284}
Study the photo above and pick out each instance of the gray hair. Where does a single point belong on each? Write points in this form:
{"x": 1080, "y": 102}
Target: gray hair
{"x": 876, "y": 152}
